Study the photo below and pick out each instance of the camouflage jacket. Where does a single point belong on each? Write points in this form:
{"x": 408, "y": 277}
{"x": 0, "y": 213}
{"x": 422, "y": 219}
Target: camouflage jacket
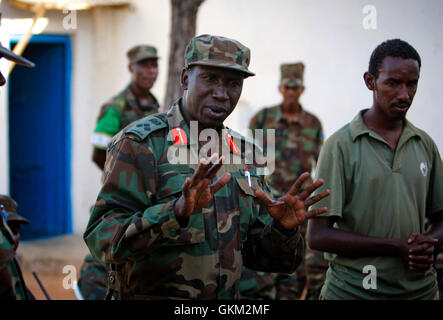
{"x": 297, "y": 144}
{"x": 119, "y": 112}
{"x": 133, "y": 226}
{"x": 21, "y": 292}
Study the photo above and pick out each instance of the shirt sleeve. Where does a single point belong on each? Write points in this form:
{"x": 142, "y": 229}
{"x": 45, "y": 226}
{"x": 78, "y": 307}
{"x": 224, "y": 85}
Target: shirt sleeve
{"x": 330, "y": 168}
{"x": 435, "y": 195}
{"x": 107, "y": 126}
{"x": 318, "y": 142}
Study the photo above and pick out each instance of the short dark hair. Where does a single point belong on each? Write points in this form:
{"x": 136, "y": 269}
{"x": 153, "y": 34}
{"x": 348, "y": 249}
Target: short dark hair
{"x": 391, "y": 48}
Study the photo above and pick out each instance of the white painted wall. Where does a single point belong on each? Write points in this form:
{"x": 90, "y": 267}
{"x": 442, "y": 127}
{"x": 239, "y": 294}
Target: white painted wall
{"x": 328, "y": 36}
{"x": 4, "y": 124}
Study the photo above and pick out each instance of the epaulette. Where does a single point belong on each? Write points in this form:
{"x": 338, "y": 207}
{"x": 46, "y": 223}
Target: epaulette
{"x": 144, "y": 127}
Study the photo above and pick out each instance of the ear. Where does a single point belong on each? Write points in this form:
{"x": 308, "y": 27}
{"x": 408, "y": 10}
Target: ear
{"x": 302, "y": 89}
{"x": 130, "y": 68}
{"x": 369, "y": 81}
{"x": 281, "y": 88}
{"x": 184, "y": 78}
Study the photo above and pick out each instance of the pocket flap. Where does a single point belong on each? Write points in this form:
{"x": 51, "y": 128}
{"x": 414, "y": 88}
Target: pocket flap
{"x": 243, "y": 183}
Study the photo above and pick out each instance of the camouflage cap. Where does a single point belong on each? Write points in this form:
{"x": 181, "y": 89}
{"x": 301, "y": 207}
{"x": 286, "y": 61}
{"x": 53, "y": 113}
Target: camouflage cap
{"x": 10, "y": 207}
{"x": 292, "y": 74}
{"x": 217, "y": 51}
{"x": 141, "y": 52}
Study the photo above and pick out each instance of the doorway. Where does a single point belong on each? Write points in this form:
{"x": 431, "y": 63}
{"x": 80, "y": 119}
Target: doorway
{"x": 40, "y": 136}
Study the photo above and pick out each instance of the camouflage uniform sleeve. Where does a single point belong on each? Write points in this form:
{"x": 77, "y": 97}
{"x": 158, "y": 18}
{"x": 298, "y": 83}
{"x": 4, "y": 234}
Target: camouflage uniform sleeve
{"x": 270, "y": 247}
{"x": 127, "y": 223}
{"x": 254, "y": 121}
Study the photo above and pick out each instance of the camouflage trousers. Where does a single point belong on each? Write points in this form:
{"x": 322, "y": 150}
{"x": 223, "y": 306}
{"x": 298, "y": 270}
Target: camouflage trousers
{"x": 256, "y": 285}
{"x": 304, "y": 284}
{"x": 92, "y": 281}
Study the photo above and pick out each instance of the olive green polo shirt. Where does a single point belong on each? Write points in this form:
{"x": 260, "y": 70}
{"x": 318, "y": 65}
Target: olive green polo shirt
{"x": 379, "y": 193}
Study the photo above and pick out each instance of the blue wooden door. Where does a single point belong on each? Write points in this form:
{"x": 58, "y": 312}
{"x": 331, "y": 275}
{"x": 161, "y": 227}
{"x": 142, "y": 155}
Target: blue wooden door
{"x": 39, "y": 137}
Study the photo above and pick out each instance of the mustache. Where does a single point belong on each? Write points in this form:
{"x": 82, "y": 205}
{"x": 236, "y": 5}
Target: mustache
{"x": 218, "y": 108}
{"x": 401, "y": 104}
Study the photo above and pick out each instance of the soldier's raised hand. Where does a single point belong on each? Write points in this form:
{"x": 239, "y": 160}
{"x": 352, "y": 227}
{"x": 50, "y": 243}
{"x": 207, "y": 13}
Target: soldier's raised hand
{"x": 198, "y": 191}
{"x": 291, "y": 210}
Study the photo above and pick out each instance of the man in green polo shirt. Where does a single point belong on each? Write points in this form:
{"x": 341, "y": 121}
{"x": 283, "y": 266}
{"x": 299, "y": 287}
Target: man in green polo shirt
{"x": 133, "y": 103}
{"x": 385, "y": 177}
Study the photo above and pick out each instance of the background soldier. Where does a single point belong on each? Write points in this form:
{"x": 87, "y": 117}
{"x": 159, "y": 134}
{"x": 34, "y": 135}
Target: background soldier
{"x": 133, "y": 103}
{"x": 14, "y": 221}
{"x": 298, "y": 138}
{"x": 171, "y": 230}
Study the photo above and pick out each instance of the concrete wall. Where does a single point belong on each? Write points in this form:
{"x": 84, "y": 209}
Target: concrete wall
{"x": 328, "y": 36}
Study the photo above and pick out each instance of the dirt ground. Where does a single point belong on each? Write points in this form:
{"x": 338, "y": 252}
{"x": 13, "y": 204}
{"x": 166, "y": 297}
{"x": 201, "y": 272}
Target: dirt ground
{"x": 48, "y": 258}
{"x": 53, "y": 285}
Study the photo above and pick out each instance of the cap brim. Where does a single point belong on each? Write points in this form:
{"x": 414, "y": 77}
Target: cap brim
{"x": 14, "y": 216}
{"x": 144, "y": 58}
{"x": 291, "y": 83}
{"x": 224, "y": 64}
{"x": 8, "y": 54}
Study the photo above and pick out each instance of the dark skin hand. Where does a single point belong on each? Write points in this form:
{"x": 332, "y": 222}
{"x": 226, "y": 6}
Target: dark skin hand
{"x": 421, "y": 251}
{"x": 290, "y": 210}
{"x": 417, "y": 251}
{"x": 198, "y": 191}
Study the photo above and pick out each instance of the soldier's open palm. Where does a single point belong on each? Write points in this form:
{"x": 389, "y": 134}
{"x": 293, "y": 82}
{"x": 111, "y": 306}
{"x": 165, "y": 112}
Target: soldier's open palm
{"x": 291, "y": 210}
{"x": 198, "y": 191}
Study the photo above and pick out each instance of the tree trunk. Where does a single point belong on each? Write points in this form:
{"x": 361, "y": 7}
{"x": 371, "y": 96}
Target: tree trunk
{"x": 184, "y": 16}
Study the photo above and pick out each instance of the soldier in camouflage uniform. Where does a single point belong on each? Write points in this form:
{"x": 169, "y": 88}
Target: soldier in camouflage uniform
{"x": 299, "y": 136}
{"x": 8, "y": 243}
{"x": 184, "y": 229}
{"x": 133, "y": 103}
{"x": 14, "y": 221}
{"x": 7, "y": 250}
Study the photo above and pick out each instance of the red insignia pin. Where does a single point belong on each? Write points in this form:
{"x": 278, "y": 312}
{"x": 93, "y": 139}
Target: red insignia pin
{"x": 232, "y": 144}
{"x": 179, "y": 136}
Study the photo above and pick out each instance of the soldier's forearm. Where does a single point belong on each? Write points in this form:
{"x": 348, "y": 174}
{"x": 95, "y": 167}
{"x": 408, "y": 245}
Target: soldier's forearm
{"x": 436, "y": 231}
{"x": 121, "y": 237}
